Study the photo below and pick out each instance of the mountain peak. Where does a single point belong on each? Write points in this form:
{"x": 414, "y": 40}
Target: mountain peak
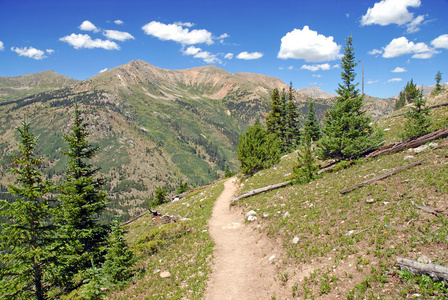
{"x": 315, "y": 92}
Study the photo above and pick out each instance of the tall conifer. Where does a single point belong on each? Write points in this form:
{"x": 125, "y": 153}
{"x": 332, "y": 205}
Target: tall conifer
{"x": 312, "y": 126}
{"x": 26, "y": 236}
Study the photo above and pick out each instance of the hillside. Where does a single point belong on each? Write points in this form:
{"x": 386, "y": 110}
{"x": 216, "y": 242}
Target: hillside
{"x": 329, "y": 245}
{"x": 12, "y": 88}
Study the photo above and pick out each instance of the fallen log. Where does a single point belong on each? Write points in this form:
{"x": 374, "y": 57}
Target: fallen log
{"x": 379, "y": 177}
{"x": 406, "y": 112}
{"x": 260, "y": 190}
{"x": 427, "y": 209}
{"x": 436, "y": 272}
{"x": 134, "y": 219}
{"x": 410, "y": 143}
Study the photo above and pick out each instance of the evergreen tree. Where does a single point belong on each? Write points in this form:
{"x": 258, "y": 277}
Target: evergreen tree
{"x": 438, "y": 88}
{"x": 119, "y": 259}
{"x": 305, "y": 169}
{"x": 346, "y": 130}
{"x": 82, "y": 237}
{"x": 312, "y": 126}
{"x": 417, "y": 120}
{"x": 411, "y": 92}
{"x": 257, "y": 149}
{"x": 292, "y": 126}
{"x": 26, "y": 236}
{"x": 160, "y": 196}
{"x": 275, "y": 121}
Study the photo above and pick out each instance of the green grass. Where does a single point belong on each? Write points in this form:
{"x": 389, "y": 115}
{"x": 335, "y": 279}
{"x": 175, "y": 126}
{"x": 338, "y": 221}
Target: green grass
{"x": 184, "y": 249}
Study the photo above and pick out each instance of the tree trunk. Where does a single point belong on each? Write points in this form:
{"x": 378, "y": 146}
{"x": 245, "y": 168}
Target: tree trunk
{"x": 436, "y": 272}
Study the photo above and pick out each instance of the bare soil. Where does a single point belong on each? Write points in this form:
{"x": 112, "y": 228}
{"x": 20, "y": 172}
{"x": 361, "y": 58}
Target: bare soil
{"x": 246, "y": 263}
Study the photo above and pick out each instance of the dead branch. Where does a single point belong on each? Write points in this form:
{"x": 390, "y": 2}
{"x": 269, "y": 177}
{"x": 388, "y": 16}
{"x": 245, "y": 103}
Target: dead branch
{"x": 260, "y": 190}
{"x": 379, "y": 177}
{"x": 436, "y": 272}
{"x": 428, "y": 209}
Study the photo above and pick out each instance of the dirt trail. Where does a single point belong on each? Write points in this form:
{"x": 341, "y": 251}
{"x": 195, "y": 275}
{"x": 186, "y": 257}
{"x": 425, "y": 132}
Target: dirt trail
{"x": 244, "y": 265}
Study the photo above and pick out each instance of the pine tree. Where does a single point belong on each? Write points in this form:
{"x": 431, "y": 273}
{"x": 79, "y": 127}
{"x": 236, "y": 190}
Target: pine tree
{"x": 292, "y": 126}
{"x": 275, "y": 121}
{"x": 411, "y": 92}
{"x": 305, "y": 169}
{"x": 257, "y": 149}
{"x": 346, "y": 130}
{"x": 438, "y": 88}
{"x": 82, "y": 202}
{"x": 119, "y": 259}
{"x": 26, "y": 236}
{"x": 312, "y": 126}
{"x": 417, "y": 120}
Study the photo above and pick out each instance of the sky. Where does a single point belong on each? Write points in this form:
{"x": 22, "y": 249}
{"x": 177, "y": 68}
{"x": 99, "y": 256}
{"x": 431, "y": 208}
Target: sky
{"x": 297, "y": 41}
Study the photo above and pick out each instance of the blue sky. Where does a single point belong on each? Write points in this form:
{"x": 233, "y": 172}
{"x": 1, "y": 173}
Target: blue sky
{"x": 298, "y": 41}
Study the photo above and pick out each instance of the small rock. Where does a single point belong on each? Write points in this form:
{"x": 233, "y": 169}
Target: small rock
{"x": 286, "y": 214}
{"x": 387, "y": 129}
{"x": 251, "y": 218}
{"x": 424, "y": 260}
{"x": 272, "y": 257}
{"x": 251, "y": 213}
{"x": 156, "y": 271}
{"x": 295, "y": 240}
{"x": 265, "y": 215}
{"x": 371, "y": 200}
{"x": 165, "y": 274}
{"x": 420, "y": 149}
{"x": 408, "y": 157}
{"x": 433, "y": 145}
{"x": 350, "y": 232}
{"x": 385, "y": 202}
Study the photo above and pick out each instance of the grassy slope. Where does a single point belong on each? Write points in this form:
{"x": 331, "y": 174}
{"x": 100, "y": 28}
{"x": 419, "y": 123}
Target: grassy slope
{"x": 348, "y": 244}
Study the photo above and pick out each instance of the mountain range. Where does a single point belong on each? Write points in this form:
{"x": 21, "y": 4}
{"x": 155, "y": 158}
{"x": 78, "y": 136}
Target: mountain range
{"x": 156, "y": 127}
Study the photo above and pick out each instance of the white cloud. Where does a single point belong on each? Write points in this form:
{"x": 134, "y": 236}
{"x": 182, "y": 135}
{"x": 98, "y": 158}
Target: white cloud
{"x": 103, "y": 70}
{"x": 413, "y": 26}
{"x": 118, "y": 22}
{"x": 314, "y": 68}
{"x": 290, "y": 68}
{"x": 49, "y": 51}
{"x": 401, "y": 46}
{"x": 441, "y": 41}
{"x": 117, "y": 35}
{"x": 88, "y": 26}
{"x": 248, "y": 56}
{"x": 2, "y": 47}
{"x": 317, "y": 75}
{"x": 375, "y": 52}
{"x": 206, "y": 56}
{"x": 372, "y": 81}
{"x": 192, "y": 50}
{"x": 175, "y": 32}
{"x": 388, "y": 12}
{"x": 228, "y": 56}
{"x": 79, "y": 41}
{"x": 308, "y": 45}
{"x": 29, "y": 52}
{"x": 184, "y": 24}
{"x": 395, "y": 80}
{"x": 398, "y": 70}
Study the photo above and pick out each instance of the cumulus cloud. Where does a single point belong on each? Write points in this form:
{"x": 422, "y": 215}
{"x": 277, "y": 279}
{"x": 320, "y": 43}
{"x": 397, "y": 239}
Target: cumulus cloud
{"x": 401, "y": 46}
{"x": 314, "y": 68}
{"x": 228, "y": 56}
{"x": 375, "y": 52}
{"x": 388, "y": 12}
{"x": 398, "y": 70}
{"x": 290, "y": 68}
{"x": 395, "y": 80}
{"x": 2, "y": 47}
{"x": 248, "y": 56}
{"x": 118, "y": 22}
{"x": 88, "y": 26}
{"x": 29, "y": 52}
{"x": 103, "y": 70}
{"x": 372, "y": 81}
{"x": 49, "y": 51}
{"x": 441, "y": 41}
{"x": 117, "y": 35}
{"x": 206, "y": 56}
{"x": 79, "y": 41}
{"x": 308, "y": 45}
{"x": 175, "y": 32}
{"x": 184, "y": 24}
{"x": 317, "y": 75}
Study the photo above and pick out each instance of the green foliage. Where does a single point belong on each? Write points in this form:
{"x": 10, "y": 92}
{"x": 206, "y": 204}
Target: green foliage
{"x": 26, "y": 236}
{"x": 274, "y": 121}
{"x": 81, "y": 236}
{"x": 418, "y": 119}
{"x": 312, "y": 126}
{"x": 160, "y": 196}
{"x": 228, "y": 173}
{"x": 257, "y": 149}
{"x": 304, "y": 171}
{"x": 119, "y": 259}
{"x": 182, "y": 187}
{"x": 292, "y": 126}
{"x": 438, "y": 88}
{"x": 407, "y": 95}
{"x": 346, "y": 130}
